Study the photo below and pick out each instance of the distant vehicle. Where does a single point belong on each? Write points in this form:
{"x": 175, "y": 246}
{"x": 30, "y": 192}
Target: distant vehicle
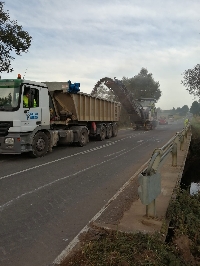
{"x": 170, "y": 118}
{"x": 162, "y": 120}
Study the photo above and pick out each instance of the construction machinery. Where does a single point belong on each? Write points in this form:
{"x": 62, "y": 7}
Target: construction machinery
{"x": 142, "y": 111}
{"x": 56, "y": 113}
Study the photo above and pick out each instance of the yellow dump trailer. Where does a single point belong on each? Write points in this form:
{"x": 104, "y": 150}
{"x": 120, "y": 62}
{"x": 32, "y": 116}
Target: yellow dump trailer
{"x": 84, "y": 107}
{"x": 81, "y": 112}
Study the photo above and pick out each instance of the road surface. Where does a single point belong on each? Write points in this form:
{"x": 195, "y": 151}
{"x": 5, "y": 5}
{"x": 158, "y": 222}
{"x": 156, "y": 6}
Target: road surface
{"x": 45, "y": 202}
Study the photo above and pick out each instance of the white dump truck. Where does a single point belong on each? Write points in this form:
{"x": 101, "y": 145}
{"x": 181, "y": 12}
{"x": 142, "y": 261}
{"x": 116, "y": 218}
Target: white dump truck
{"x": 53, "y": 113}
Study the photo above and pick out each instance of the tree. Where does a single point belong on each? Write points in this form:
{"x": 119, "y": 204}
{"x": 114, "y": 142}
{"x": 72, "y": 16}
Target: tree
{"x": 9, "y": 98}
{"x": 6, "y": 100}
{"x": 104, "y": 92}
{"x": 191, "y": 80}
{"x": 178, "y": 110}
{"x": 13, "y": 40}
{"x": 184, "y": 110}
{"x": 158, "y": 110}
{"x": 143, "y": 85}
{"x": 173, "y": 111}
{"x": 195, "y": 108}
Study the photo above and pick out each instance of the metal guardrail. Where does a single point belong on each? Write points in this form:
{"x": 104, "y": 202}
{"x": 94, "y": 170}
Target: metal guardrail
{"x": 150, "y": 179}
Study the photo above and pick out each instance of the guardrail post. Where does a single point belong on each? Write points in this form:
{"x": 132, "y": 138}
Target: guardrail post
{"x": 150, "y": 184}
{"x": 186, "y": 132}
{"x": 181, "y": 141}
{"x": 148, "y": 190}
{"x": 151, "y": 209}
{"x": 174, "y": 154}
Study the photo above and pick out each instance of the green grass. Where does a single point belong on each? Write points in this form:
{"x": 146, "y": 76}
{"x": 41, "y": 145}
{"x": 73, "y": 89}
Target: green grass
{"x": 127, "y": 249}
{"x": 184, "y": 214}
{"x": 116, "y": 248}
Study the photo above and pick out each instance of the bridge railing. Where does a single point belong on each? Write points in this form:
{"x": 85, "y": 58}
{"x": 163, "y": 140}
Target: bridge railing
{"x": 150, "y": 179}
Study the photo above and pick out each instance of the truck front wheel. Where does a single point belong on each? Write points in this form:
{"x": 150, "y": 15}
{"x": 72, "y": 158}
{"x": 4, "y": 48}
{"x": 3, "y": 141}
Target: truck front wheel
{"x": 40, "y": 145}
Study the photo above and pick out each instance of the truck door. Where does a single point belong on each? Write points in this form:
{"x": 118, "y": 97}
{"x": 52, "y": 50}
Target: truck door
{"x": 30, "y": 108}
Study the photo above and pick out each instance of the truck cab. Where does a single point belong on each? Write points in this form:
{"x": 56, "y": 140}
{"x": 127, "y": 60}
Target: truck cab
{"x": 19, "y": 122}
{"x": 149, "y": 108}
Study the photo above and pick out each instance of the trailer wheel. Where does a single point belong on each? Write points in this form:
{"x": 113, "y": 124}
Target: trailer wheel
{"x": 102, "y": 134}
{"x": 114, "y": 130}
{"x": 83, "y": 138}
{"x": 40, "y": 145}
{"x": 109, "y": 131}
{"x": 148, "y": 126}
{"x": 135, "y": 127}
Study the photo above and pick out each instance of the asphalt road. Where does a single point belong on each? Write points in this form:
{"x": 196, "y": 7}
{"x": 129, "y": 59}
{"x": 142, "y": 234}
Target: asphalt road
{"x": 45, "y": 202}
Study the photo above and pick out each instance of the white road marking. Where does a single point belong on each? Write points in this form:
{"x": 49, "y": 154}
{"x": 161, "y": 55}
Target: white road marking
{"x": 63, "y": 158}
{"x": 2, "y": 207}
{"x": 114, "y": 153}
{"x": 75, "y": 241}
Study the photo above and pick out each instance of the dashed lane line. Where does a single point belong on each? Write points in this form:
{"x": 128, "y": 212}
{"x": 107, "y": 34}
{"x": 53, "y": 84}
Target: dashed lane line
{"x": 75, "y": 241}
{"x": 66, "y": 157}
{"x": 2, "y": 207}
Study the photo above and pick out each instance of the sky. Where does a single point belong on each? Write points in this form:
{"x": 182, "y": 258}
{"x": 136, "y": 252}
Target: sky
{"x": 86, "y": 40}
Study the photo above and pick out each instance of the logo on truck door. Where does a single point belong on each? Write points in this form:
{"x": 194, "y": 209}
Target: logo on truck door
{"x": 31, "y": 115}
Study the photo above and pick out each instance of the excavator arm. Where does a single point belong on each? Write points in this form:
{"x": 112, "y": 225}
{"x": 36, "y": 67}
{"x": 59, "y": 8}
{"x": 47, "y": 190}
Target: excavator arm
{"x": 133, "y": 108}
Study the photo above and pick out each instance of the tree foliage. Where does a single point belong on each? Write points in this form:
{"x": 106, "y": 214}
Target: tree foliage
{"x": 13, "y": 40}
{"x": 173, "y": 111}
{"x": 191, "y": 80}
{"x": 180, "y": 110}
{"x": 104, "y": 92}
{"x": 143, "y": 85}
{"x": 6, "y": 100}
{"x": 184, "y": 110}
{"x": 195, "y": 108}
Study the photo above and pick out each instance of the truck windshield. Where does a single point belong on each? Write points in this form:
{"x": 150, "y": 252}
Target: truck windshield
{"x": 9, "y": 94}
